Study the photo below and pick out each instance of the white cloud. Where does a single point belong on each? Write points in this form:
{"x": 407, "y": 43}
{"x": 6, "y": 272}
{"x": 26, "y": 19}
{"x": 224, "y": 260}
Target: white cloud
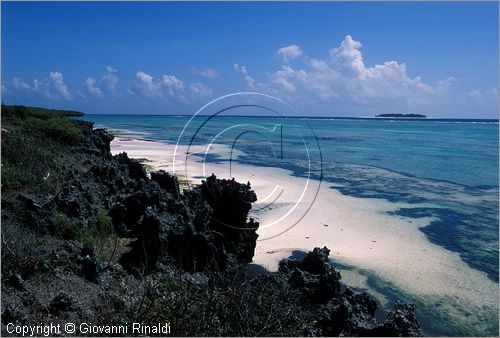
{"x": 348, "y": 56}
{"x": 344, "y": 77}
{"x": 146, "y": 86}
{"x": 444, "y": 86}
{"x": 110, "y": 81}
{"x": 20, "y": 84}
{"x": 289, "y": 53}
{"x": 110, "y": 69}
{"x": 52, "y": 87}
{"x": 286, "y": 76}
{"x": 209, "y": 73}
{"x": 41, "y": 87}
{"x": 200, "y": 90}
{"x": 5, "y": 91}
{"x": 58, "y": 86}
{"x": 90, "y": 86}
{"x": 249, "y": 81}
{"x": 105, "y": 87}
{"x": 484, "y": 95}
{"x": 173, "y": 85}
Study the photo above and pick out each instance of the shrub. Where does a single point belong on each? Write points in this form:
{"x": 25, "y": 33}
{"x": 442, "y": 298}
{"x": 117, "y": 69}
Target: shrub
{"x": 64, "y": 227}
{"x": 22, "y": 251}
{"x": 229, "y": 304}
{"x": 100, "y": 236}
{"x": 25, "y": 161}
{"x": 60, "y": 129}
{"x": 8, "y": 177}
{"x": 33, "y": 141}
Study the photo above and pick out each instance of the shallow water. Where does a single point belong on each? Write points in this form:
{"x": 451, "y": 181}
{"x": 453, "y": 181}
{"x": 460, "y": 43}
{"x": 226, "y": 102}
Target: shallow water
{"x": 446, "y": 171}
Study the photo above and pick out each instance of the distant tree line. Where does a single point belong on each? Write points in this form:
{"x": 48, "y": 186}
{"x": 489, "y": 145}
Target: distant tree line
{"x": 402, "y": 115}
{"x": 17, "y": 111}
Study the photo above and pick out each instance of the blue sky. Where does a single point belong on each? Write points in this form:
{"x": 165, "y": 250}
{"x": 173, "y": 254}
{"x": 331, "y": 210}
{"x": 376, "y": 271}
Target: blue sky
{"x": 338, "y": 59}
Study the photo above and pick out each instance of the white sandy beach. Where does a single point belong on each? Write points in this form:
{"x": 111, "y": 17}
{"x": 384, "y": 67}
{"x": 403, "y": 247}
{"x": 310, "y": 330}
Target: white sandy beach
{"x": 359, "y": 232}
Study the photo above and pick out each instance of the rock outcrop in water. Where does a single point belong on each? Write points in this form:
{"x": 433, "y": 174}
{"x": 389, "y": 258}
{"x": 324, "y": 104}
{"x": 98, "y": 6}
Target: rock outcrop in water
{"x": 344, "y": 312}
{"x": 100, "y": 241}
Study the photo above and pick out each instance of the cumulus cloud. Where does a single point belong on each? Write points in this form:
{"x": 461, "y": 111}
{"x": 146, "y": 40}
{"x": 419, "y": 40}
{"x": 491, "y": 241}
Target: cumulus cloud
{"x": 20, "y": 84}
{"x": 110, "y": 69}
{"x": 173, "y": 85}
{"x": 41, "y": 88}
{"x": 144, "y": 86}
{"x": 90, "y": 86}
{"x": 200, "y": 90}
{"x": 58, "y": 86}
{"x": 110, "y": 81}
{"x": 52, "y": 87}
{"x": 289, "y": 53}
{"x": 105, "y": 87}
{"x": 209, "y": 73}
{"x": 170, "y": 86}
{"x": 249, "y": 81}
{"x": 340, "y": 77}
{"x": 286, "y": 76}
{"x": 5, "y": 91}
{"x": 484, "y": 95}
{"x": 348, "y": 57}
{"x": 147, "y": 87}
{"x": 344, "y": 77}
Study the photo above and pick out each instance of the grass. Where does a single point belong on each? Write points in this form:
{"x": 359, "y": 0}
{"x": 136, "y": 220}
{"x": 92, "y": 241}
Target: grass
{"x": 25, "y": 160}
{"x": 228, "y": 304}
{"x": 100, "y": 236}
{"x": 32, "y": 140}
{"x": 184, "y": 183}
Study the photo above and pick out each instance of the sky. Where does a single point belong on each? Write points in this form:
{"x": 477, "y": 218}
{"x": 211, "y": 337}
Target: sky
{"x": 323, "y": 58}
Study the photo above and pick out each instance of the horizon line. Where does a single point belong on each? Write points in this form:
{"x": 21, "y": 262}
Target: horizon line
{"x": 314, "y": 117}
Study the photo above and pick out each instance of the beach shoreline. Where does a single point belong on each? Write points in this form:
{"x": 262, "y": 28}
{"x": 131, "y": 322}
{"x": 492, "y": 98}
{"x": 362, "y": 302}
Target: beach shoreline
{"x": 360, "y": 232}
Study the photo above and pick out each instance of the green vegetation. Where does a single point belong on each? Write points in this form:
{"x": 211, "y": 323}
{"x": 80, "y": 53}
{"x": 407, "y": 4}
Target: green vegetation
{"x": 25, "y": 160}
{"x": 63, "y": 227}
{"x": 59, "y": 129}
{"x": 36, "y": 146}
{"x": 22, "y": 112}
{"x": 22, "y": 250}
{"x": 100, "y": 235}
{"x": 184, "y": 183}
{"x": 214, "y": 304}
{"x": 32, "y": 138}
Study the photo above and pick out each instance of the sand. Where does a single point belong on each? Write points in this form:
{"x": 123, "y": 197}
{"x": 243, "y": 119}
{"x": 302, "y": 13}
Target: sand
{"x": 359, "y": 232}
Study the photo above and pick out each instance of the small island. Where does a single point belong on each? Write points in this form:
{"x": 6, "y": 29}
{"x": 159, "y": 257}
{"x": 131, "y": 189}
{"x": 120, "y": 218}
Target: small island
{"x": 406, "y": 116}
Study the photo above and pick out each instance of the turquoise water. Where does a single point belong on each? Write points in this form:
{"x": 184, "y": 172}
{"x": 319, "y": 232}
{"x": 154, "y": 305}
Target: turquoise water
{"x": 447, "y": 169}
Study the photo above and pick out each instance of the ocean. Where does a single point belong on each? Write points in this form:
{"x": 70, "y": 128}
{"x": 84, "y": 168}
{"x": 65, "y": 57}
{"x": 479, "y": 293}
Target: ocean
{"x": 443, "y": 170}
